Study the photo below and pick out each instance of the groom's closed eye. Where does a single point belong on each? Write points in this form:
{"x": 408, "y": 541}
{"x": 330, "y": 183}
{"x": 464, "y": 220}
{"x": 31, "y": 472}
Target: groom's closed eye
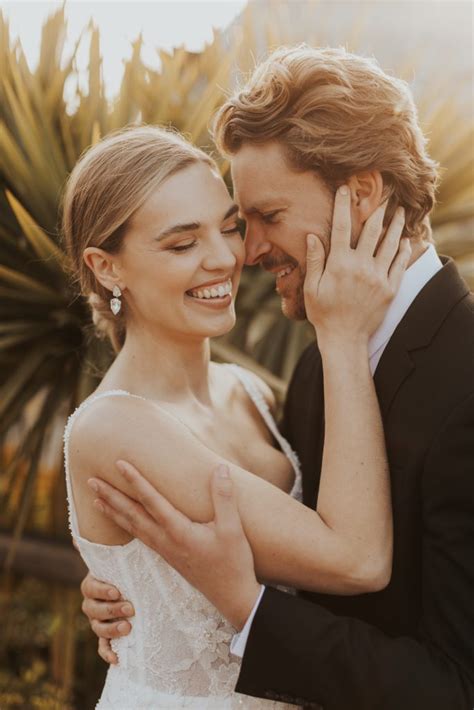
{"x": 270, "y": 217}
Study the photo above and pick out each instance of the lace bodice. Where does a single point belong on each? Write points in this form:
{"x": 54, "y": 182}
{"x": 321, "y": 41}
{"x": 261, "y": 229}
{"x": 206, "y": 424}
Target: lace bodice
{"x": 177, "y": 654}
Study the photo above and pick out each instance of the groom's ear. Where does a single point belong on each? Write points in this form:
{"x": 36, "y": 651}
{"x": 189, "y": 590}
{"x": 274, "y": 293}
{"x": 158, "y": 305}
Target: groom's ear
{"x": 366, "y": 195}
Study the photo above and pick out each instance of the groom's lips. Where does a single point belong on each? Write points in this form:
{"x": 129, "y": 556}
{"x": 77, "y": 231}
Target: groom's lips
{"x": 276, "y": 269}
{"x": 282, "y": 272}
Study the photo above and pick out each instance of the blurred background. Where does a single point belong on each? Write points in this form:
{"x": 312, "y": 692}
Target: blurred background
{"x": 69, "y": 74}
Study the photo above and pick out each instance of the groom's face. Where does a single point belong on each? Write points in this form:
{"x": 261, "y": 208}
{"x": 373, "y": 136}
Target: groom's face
{"x": 281, "y": 207}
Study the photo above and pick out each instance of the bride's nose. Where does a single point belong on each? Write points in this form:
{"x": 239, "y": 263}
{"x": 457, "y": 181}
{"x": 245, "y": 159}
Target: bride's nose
{"x": 219, "y": 255}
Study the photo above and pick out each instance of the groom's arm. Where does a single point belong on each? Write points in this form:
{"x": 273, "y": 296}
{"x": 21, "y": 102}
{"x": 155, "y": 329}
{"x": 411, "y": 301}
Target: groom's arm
{"x": 299, "y": 649}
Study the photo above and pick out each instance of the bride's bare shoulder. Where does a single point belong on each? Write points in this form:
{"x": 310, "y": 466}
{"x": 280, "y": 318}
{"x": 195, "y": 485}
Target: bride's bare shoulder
{"x": 100, "y": 412}
{"x": 111, "y": 423}
{"x": 154, "y": 441}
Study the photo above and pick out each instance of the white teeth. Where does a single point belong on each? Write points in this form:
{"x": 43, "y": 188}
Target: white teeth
{"x": 216, "y": 291}
{"x": 284, "y": 272}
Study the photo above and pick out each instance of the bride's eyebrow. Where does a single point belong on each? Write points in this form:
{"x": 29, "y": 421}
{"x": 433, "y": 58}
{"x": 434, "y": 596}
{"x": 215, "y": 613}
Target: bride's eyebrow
{"x": 233, "y": 209}
{"x": 177, "y": 229}
{"x": 190, "y": 226}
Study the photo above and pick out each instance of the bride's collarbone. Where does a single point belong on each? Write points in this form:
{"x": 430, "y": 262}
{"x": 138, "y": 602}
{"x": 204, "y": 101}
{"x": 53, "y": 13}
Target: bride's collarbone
{"x": 234, "y": 429}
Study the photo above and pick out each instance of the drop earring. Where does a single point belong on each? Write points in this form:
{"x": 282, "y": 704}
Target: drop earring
{"x": 116, "y": 303}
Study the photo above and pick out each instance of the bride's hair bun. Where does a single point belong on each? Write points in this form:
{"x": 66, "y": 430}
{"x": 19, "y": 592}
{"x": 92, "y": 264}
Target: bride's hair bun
{"x": 106, "y": 324}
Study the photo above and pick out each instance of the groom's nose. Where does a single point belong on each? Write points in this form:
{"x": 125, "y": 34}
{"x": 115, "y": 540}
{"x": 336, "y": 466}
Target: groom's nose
{"x": 256, "y": 246}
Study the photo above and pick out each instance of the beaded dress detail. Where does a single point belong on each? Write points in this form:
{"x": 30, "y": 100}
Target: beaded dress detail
{"x": 178, "y": 652}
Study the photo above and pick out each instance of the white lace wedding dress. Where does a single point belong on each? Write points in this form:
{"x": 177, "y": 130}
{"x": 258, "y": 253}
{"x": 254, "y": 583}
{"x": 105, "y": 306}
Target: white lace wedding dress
{"x": 177, "y": 654}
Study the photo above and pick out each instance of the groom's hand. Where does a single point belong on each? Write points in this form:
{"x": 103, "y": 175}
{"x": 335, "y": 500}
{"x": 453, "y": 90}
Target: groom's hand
{"x": 107, "y": 613}
{"x": 214, "y": 557}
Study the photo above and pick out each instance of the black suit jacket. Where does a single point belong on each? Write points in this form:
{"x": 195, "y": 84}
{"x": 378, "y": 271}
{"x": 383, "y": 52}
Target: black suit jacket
{"x": 410, "y": 646}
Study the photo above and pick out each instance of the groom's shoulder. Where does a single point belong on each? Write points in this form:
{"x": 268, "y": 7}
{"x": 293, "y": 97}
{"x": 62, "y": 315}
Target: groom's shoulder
{"x": 310, "y": 355}
{"x": 308, "y": 366}
{"x": 455, "y": 332}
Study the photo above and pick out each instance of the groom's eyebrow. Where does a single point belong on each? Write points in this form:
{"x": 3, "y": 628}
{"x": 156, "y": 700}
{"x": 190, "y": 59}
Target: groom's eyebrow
{"x": 190, "y": 226}
{"x": 262, "y": 206}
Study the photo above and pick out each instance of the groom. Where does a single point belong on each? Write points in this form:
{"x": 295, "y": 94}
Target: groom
{"x": 307, "y": 121}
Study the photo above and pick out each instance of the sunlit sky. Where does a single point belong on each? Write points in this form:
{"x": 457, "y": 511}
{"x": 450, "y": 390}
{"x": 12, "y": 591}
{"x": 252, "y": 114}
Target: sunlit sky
{"x": 438, "y": 32}
{"x": 163, "y": 23}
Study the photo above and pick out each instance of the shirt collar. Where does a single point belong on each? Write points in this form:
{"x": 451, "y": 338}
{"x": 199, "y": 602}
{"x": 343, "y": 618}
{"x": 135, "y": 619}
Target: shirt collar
{"x": 414, "y": 279}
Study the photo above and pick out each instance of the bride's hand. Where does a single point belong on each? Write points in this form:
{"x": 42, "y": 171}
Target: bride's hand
{"x": 347, "y": 294}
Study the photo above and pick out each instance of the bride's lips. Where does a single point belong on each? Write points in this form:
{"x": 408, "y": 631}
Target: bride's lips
{"x": 214, "y": 303}
{"x": 214, "y": 294}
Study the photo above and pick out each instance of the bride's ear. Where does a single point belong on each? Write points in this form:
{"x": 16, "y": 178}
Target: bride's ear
{"x": 102, "y": 264}
{"x": 366, "y": 195}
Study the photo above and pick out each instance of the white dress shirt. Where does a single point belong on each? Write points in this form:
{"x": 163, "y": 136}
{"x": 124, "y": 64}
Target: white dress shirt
{"x": 414, "y": 279}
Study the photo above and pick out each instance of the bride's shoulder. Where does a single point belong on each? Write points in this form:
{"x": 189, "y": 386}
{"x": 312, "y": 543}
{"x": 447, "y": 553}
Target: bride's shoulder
{"x": 103, "y": 418}
{"x": 101, "y": 409}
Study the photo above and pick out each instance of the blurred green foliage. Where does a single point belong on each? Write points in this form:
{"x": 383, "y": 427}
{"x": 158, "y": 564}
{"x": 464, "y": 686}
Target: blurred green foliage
{"x": 43, "y": 625}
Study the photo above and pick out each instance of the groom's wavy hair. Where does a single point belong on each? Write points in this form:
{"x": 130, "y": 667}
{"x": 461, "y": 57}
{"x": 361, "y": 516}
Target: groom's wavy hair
{"x": 337, "y": 114}
{"x": 108, "y": 184}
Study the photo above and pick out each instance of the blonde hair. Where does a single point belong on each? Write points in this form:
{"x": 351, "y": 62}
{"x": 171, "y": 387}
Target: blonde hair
{"x": 337, "y": 114}
{"x": 108, "y": 184}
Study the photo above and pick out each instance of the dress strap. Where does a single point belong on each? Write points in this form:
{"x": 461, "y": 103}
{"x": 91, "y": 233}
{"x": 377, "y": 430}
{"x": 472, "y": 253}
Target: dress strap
{"x": 260, "y": 402}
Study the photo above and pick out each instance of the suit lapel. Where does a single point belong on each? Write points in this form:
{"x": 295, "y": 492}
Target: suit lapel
{"x": 416, "y": 330}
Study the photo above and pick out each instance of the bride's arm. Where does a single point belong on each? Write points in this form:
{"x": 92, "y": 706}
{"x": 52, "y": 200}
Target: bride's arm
{"x": 345, "y": 547}
{"x": 291, "y": 544}
{"x": 344, "y": 306}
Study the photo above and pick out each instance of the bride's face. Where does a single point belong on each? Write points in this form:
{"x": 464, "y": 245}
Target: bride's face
{"x": 182, "y": 256}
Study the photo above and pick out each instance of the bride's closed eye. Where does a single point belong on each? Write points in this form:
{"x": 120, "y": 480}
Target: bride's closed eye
{"x": 234, "y": 230}
{"x": 237, "y": 228}
{"x": 183, "y": 247}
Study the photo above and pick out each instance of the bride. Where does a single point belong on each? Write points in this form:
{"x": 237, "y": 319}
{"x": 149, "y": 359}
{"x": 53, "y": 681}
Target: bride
{"x": 154, "y": 243}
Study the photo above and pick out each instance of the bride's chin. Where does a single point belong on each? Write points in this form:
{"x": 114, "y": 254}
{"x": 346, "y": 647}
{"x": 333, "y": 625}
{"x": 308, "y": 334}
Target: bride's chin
{"x": 221, "y": 328}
